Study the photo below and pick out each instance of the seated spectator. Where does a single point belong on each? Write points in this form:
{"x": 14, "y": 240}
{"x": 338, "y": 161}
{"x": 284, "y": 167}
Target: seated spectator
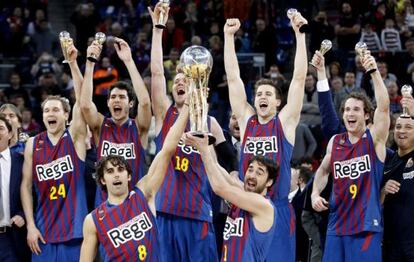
{"x": 405, "y": 32}
{"x": 44, "y": 40}
{"x": 16, "y": 89}
{"x": 386, "y": 76}
{"x": 349, "y": 81}
{"x": 334, "y": 70}
{"x": 370, "y": 37}
{"x": 45, "y": 64}
{"x": 390, "y": 37}
{"x": 173, "y": 36}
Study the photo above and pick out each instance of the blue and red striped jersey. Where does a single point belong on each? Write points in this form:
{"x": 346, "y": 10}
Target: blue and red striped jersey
{"x": 185, "y": 191}
{"x": 123, "y": 141}
{"x": 242, "y": 241}
{"x": 60, "y": 188}
{"x": 127, "y": 232}
{"x": 268, "y": 140}
{"x": 355, "y": 198}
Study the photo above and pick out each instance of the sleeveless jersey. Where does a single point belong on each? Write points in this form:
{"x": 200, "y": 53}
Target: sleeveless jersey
{"x": 127, "y": 232}
{"x": 355, "y": 198}
{"x": 58, "y": 177}
{"x": 185, "y": 190}
{"x": 268, "y": 140}
{"x": 122, "y": 141}
{"x": 242, "y": 241}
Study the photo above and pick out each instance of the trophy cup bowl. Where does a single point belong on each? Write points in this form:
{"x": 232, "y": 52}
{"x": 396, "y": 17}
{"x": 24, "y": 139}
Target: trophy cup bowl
{"x": 361, "y": 49}
{"x": 406, "y": 90}
{"x": 100, "y": 38}
{"x": 65, "y": 41}
{"x": 291, "y": 12}
{"x": 197, "y": 63}
{"x": 326, "y": 45}
{"x": 161, "y": 19}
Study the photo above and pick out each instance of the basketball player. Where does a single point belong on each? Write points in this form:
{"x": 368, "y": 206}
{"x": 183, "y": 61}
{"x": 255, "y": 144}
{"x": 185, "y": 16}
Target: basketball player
{"x": 125, "y": 224}
{"x": 55, "y": 163}
{"x": 356, "y": 160}
{"x": 184, "y": 212}
{"x": 119, "y": 134}
{"x": 251, "y": 221}
{"x": 265, "y": 132}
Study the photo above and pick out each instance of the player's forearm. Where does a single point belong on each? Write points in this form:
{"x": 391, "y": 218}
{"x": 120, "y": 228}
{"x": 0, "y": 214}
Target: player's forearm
{"x": 77, "y": 78}
{"x": 176, "y": 131}
{"x": 300, "y": 64}
{"x": 157, "y": 67}
{"x": 87, "y": 86}
{"x": 214, "y": 174}
{"x": 381, "y": 93}
{"x": 320, "y": 182}
{"x": 138, "y": 84}
{"x": 27, "y": 203}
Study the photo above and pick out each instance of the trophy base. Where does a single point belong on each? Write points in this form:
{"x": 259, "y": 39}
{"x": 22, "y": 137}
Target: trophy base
{"x": 92, "y": 59}
{"x": 370, "y": 71}
{"x": 211, "y": 138}
{"x": 160, "y": 26}
{"x": 305, "y": 28}
{"x": 310, "y": 63}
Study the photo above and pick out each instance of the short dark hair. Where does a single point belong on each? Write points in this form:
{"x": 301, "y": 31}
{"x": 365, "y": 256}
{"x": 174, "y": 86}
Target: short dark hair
{"x": 13, "y": 108}
{"x": 123, "y": 86}
{"x": 266, "y": 81}
{"x": 368, "y": 107}
{"x": 116, "y": 161}
{"x": 8, "y": 125}
{"x": 271, "y": 165}
{"x": 305, "y": 173}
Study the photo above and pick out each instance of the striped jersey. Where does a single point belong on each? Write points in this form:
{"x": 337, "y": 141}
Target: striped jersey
{"x": 123, "y": 141}
{"x": 127, "y": 232}
{"x": 60, "y": 188}
{"x": 355, "y": 198}
{"x": 268, "y": 140}
{"x": 185, "y": 191}
{"x": 242, "y": 241}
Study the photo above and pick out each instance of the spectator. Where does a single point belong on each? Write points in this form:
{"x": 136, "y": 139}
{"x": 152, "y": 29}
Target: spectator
{"x": 349, "y": 81}
{"x": 173, "y": 36}
{"x": 310, "y": 111}
{"x": 395, "y": 98}
{"x": 171, "y": 66}
{"x": 34, "y": 25}
{"x": 29, "y": 125}
{"x": 275, "y": 75}
{"x": 338, "y": 93}
{"x": 45, "y": 64}
{"x": 334, "y": 70}
{"x": 370, "y": 37}
{"x": 386, "y": 76}
{"x": 44, "y": 40}
{"x": 191, "y": 20}
{"x": 405, "y": 32}
{"x": 16, "y": 89}
{"x": 320, "y": 29}
{"x": 13, "y": 115}
{"x": 347, "y": 29}
{"x": 409, "y": 16}
{"x": 390, "y": 37}
{"x": 264, "y": 41}
{"x": 305, "y": 143}
{"x": 85, "y": 20}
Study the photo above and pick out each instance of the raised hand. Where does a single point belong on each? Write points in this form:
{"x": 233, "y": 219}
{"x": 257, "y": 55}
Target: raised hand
{"x": 155, "y": 15}
{"x": 297, "y": 21}
{"x": 318, "y": 61}
{"x": 94, "y": 50}
{"x": 231, "y": 26}
{"x": 73, "y": 53}
{"x": 123, "y": 50}
{"x": 408, "y": 102}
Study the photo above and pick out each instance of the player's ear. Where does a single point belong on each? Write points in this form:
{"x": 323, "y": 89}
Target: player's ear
{"x": 129, "y": 177}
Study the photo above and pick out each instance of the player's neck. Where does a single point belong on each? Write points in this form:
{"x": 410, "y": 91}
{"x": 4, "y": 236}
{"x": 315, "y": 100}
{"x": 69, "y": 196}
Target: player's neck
{"x": 121, "y": 121}
{"x": 355, "y": 136}
{"x": 179, "y": 106}
{"x": 265, "y": 119}
{"x": 403, "y": 152}
{"x": 55, "y": 136}
{"x": 117, "y": 200}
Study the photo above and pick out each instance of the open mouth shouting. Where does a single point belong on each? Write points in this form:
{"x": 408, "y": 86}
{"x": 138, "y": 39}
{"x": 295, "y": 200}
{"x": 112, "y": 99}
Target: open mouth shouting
{"x": 52, "y": 123}
{"x": 250, "y": 184}
{"x": 117, "y": 109}
{"x": 263, "y": 105}
{"x": 117, "y": 183}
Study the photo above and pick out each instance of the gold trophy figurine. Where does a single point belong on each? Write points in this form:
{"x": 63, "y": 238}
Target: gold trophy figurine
{"x": 362, "y": 50}
{"x": 197, "y": 63}
{"x": 326, "y": 45}
{"x": 291, "y": 12}
{"x": 100, "y": 38}
{"x": 163, "y": 10}
{"x": 406, "y": 90}
{"x": 65, "y": 42}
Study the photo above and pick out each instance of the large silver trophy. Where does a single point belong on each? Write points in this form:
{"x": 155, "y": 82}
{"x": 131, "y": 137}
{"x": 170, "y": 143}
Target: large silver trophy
{"x": 196, "y": 62}
{"x": 326, "y": 45}
{"x": 163, "y": 10}
{"x": 362, "y": 50}
{"x": 291, "y": 12}
{"x": 65, "y": 41}
{"x": 406, "y": 90}
{"x": 100, "y": 38}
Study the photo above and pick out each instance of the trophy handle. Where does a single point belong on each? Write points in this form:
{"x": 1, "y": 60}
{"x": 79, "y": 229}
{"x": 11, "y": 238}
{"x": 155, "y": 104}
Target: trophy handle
{"x": 211, "y": 138}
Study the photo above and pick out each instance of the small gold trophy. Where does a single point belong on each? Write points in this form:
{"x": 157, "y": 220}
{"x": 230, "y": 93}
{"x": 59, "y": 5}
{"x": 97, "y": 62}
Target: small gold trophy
{"x": 100, "y": 38}
{"x": 196, "y": 64}
{"x": 291, "y": 12}
{"x": 406, "y": 90}
{"x": 65, "y": 42}
{"x": 362, "y": 50}
{"x": 161, "y": 19}
{"x": 326, "y": 45}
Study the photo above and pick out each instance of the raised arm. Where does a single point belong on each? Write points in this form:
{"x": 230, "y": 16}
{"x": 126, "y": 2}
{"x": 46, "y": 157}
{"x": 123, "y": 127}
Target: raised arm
{"x": 77, "y": 128}
{"x": 381, "y": 125}
{"x": 237, "y": 94}
{"x": 90, "y": 240}
{"x": 150, "y": 183}
{"x": 143, "y": 118}
{"x": 331, "y": 125}
{"x": 290, "y": 114}
{"x": 90, "y": 113}
{"x": 254, "y": 203}
{"x": 321, "y": 180}
{"x": 33, "y": 234}
{"x": 160, "y": 101}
